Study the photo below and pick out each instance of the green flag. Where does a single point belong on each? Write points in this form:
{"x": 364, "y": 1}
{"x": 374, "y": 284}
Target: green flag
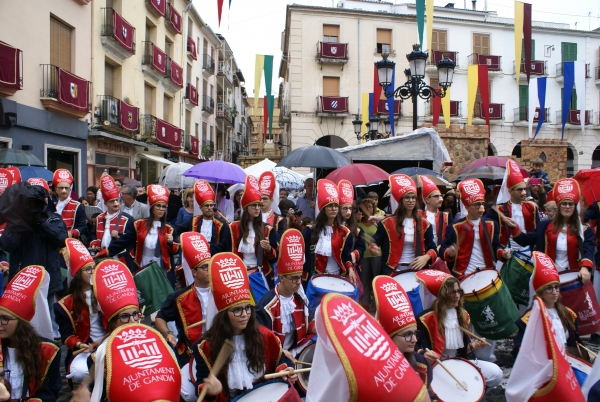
{"x": 421, "y": 19}
{"x": 268, "y": 85}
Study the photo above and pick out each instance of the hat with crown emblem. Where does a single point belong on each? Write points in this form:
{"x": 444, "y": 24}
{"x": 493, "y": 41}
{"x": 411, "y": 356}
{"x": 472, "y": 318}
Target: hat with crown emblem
{"x": 471, "y": 191}
{"x": 394, "y": 311}
{"x": 76, "y": 256}
{"x": 6, "y": 180}
{"x": 229, "y": 281}
{"x": 327, "y": 193}
{"x": 251, "y": 194}
{"x": 114, "y": 288}
{"x": 19, "y": 297}
{"x": 566, "y": 190}
{"x": 290, "y": 260}
{"x": 428, "y": 186}
{"x": 346, "y": 192}
{"x": 157, "y": 193}
{"x": 16, "y": 174}
{"x": 432, "y": 279}
{"x": 37, "y": 181}
{"x": 62, "y": 176}
{"x": 401, "y": 185}
{"x": 108, "y": 188}
{"x": 203, "y": 192}
{"x": 544, "y": 271}
{"x": 196, "y": 251}
{"x": 267, "y": 184}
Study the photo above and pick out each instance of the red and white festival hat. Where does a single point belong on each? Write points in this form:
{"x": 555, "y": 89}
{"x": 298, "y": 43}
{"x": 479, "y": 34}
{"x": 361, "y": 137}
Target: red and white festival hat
{"x": 512, "y": 177}
{"x": 19, "y": 297}
{"x": 108, "y": 188}
{"x": 428, "y": 187}
{"x": 544, "y": 271}
{"x": 327, "y": 193}
{"x": 114, "y": 288}
{"x": 251, "y": 194}
{"x": 471, "y": 191}
{"x": 6, "y": 179}
{"x": 142, "y": 367}
{"x": 76, "y": 256}
{"x": 394, "y": 311}
{"x": 346, "y": 192}
{"x": 16, "y": 174}
{"x": 401, "y": 185}
{"x": 196, "y": 251}
{"x": 268, "y": 186}
{"x": 355, "y": 360}
{"x": 157, "y": 193}
{"x": 229, "y": 281}
{"x": 203, "y": 192}
{"x": 432, "y": 279}
{"x": 566, "y": 190}
{"x": 62, "y": 176}
{"x": 290, "y": 260}
{"x": 37, "y": 181}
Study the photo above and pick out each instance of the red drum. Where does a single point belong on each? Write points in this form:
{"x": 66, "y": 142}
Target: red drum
{"x": 582, "y": 300}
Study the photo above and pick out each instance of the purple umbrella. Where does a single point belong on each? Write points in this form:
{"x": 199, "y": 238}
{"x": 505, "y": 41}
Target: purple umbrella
{"x": 217, "y": 171}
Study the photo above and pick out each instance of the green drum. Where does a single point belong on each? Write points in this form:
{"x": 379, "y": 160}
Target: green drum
{"x": 487, "y": 299}
{"x": 516, "y": 273}
{"x": 153, "y": 287}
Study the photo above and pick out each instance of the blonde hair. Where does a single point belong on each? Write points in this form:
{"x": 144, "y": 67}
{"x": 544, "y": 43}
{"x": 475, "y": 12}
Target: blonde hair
{"x": 186, "y": 194}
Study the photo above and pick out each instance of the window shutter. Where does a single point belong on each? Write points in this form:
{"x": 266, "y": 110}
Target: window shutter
{"x": 434, "y": 83}
{"x": 384, "y": 36}
{"x": 148, "y": 99}
{"x": 60, "y": 44}
{"x": 481, "y": 43}
{"x": 109, "y": 80}
{"x": 167, "y": 109}
{"x": 331, "y": 30}
{"x": 331, "y": 86}
{"x": 439, "y": 40}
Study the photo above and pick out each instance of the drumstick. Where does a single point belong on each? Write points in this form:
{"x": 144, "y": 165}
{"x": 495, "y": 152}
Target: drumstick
{"x": 222, "y": 358}
{"x": 303, "y": 363}
{"x": 368, "y": 239}
{"x": 587, "y": 350}
{"x": 466, "y": 331}
{"x": 448, "y": 371}
{"x": 143, "y": 309}
{"x": 285, "y": 372}
{"x": 196, "y": 324}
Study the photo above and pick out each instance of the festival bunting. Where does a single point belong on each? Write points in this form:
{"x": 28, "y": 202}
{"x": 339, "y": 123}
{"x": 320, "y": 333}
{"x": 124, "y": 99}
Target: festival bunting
{"x": 258, "y": 69}
{"x": 390, "y": 101}
{"x": 522, "y": 37}
{"x": 477, "y": 75}
{"x": 377, "y": 89}
{"x": 220, "y": 9}
{"x": 537, "y": 98}
{"x": 365, "y": 111}
{"x": 574, "y": 76}
{"x": 429, "y": 12}
{"x": 420, "y": 19}
{"x": 268, "y": 69}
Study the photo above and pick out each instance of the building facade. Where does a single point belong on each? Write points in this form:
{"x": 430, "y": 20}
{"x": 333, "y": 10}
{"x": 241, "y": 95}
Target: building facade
{"x": 262, "y": 144}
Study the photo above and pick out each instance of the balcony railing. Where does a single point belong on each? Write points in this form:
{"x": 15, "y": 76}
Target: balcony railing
{"x": 494, "y": 63}
{"x": 72, "y": 92}
{"x": 118, "y": 29}
{"x": 333, "y": 104}
{"x": 208, "y": 148}
{"x": 560, "y": 67}
{"x": 437, "y": 55}
{"x": 12, "y": 67}
{"x": 496, "y": 111}
{"x": 224, "y": 71}
{"x": 574, "y": 117}
{"x": 538, "y": 67}
{"x": 208, "y": 64}
{"x": 113, "y": 115}
{"x": 455, "y": 109}
{"x": 332, "y": 52}
{"x": 223, "y": 113}
{"x": 148, "y": 126}
{"x": 208, "y": 104}
{"x": 522, "y": 114}
{"x": 284, "y": 110}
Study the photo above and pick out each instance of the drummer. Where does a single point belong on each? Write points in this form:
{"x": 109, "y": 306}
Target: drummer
{"x": 395, "y": 315}
{"x": 269, "y": 195}
{"x": 214, "y": 229}
{"x": 439, "y": 325}
{"x": 438, "y": 219}
{"x": 348, "y": 217}
{"x": 405, "y": 238}
{"x": 257, "y": 350}
{"x": 546, "y": 283}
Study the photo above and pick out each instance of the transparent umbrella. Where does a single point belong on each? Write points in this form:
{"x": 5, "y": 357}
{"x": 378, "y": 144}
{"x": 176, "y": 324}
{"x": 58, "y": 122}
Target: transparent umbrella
{"x": 172, "y": 176}
{"x": 288, "y": 179}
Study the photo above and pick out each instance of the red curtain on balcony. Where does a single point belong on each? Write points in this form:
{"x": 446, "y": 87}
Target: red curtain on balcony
{"x": 167, "y": 134}
{"x": 9, "y": 66}
{"x": 192, "y": 48}
{"x": 160, "y": 6}
{"x": 128, "y": 117}
{"x": 123, "y": 31}
{"x": 159, "y": 59}
{"x": 192, "y": 94}
{"x": 176, "y": 74}
{"x": 333, "y": 50}
{"x": 334, "y": 104}
{"x": 73, "y": 91}
{"x": 175, "y": 19}
{"x": 195, "y": 146}
{"x": 382, "y": 107}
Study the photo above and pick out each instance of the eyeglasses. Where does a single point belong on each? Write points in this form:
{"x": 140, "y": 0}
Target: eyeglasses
{"x": 160, "y": 206}
{"x": 332, "y": 207}
{"x": 209, "y": 206}
{"x": 409, "y": 335}
{"x": 410, "y": 198}
{"x": 203, "y": 267}
{"x": 551, "y": 289}
{"x": 436, "y": 196}
{"x": 567, "y": 204}
{"x": 239, "y": 311}
{"x": 124, "y": 318}
{"x": 346, "y": 209}
{"x": 4, "y": 319}
{"x": 255, "y": 206}
{"x": 88, "y": 270}
{"x": 458, "y": 292}
{"x": 293, "y": 279}
{"x": 478, "y": 205}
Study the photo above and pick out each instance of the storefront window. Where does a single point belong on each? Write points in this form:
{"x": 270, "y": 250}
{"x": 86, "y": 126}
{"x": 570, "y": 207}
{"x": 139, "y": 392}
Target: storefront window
{"x": 115, "y": 166}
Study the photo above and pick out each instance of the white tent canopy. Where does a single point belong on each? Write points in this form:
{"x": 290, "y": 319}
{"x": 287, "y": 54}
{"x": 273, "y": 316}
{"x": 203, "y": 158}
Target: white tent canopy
{"x": 259, "y": 168}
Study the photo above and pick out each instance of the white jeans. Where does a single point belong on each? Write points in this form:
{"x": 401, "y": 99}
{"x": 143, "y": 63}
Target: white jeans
{"x": 79, "y": 369}
{"x": 188, "y": 389}
{"x": 491, "y": 372}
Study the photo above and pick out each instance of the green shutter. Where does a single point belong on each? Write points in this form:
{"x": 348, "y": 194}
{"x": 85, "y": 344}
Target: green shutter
{"x": 569, "y": 51}
{"x": 532, "y": 49}
{"x": 523, "y": 101}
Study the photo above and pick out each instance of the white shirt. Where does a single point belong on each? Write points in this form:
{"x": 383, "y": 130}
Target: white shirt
{"x": 106, "y": 239}
{"x": 16, "y": 373}
{"x": 238, "y": 374}
{"x": 562, "y": 258}
{"x": 431, "y": 219}
{"x": 517, "y": 215}
{"x": 408, "y": 252}
{"x": 128, "y": 210}
{"x": 248, "y": 249}
{"x": 477, "y": 260}
{"x": 323, "y": 246}
{"x": 60, "y": 205}
{"x": 203, "y": 295}
{"x": 453, "y": 335}
{"x": 265, "y": 216}
{"x": 287, "y": 320}
{"x": 150, "y": 244}
{"x": 96, "y": 329}
{"x": 561, "y": 333}
{"x": 206, "y": 229}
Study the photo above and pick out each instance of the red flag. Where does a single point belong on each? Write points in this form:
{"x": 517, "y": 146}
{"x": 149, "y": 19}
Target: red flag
{"x": 527, "y": 38}
{"x": 376, "y": 87}
{"x": 484, "y": 92}
{"x": 220, "y": 9}
{"x": 436, "y": 107}
{"x": 266, "y": 119}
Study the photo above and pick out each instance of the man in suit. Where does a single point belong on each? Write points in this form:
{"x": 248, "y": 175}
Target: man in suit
{"x": 130, "y": 205}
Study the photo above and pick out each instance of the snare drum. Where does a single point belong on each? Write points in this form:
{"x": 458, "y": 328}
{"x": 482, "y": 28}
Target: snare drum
{"x": 322, "y": 284}
{"x": 411, "y": 286}
{"x": 271, "y": 391}
{"x": 582, "y": 300}
{"x": 305, "y": 355}
{"x": 581, "y": 368}
{"x": 488, "y": 302}
{"x": 446, "y": 387}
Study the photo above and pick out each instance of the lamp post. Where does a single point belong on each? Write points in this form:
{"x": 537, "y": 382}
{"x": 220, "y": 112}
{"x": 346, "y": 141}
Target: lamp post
{"x": 373, "y": 129}
{"x": 414, "y": 87}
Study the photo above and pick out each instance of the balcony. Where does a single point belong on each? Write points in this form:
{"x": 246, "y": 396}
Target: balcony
{"x": 191, "y": 144}
{"x": 335, "y": 53}
{"x": 191, "y": 49}
{"x": 383, "y": 108}
{"x": 173, "y": 19}
{"x": 208, "y": 104}
{"x": 11, "y": 69}
{"x": 284, "y": 111}
{"x": 560, "y": 71}
{"x": 522, "y": 114}
{"x": 538, "y": 68}
{"x": 225, "y": 71}
{"x": 574, "y": 118}
{"x": 157, "y": 7}
{"x": 437, "y": 55}
{"x": 191, "y": 96}
{"x": 113, "y": 115}
{"x": 208, "y": 64}
{"x": 154, "y": 62}
{"x": 494, "y": 63}
{"x": 224, "y": 114}
{"x": 208, "y": 148}
{"x": 174, "y": 75}
{"x": 117, "y": 35}
{"x": 455, "y": 111}
{"x": 83, "y": 2}
{"x": 496, "y": 111}
{"x": 335, "y": 106}
{"x": 597, "y": 76}
{"x": 65, "y": 93}
{"x": 160, "y": 132}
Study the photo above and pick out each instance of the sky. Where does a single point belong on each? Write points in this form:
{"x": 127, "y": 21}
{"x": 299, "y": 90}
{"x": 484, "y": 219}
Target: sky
{"x": 254, "y": 27}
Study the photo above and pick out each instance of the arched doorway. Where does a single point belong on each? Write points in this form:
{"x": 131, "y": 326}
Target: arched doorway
{"x": 492, "y": 150}
{"x": 331, "y": 141}
{"x": 571, "y": 152}
{"x": 516, "y": 152}
{"x": 596, "y": 157}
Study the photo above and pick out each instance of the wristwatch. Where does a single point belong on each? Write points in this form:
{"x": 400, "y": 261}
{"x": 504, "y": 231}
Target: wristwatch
{"x": 168, "y": 333}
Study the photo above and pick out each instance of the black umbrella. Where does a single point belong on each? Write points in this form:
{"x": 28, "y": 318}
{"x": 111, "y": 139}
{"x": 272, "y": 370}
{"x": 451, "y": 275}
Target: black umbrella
{"x": 315, "y": 156}
{"x": 17, "y": 157}
{"x": 484, "y": 173}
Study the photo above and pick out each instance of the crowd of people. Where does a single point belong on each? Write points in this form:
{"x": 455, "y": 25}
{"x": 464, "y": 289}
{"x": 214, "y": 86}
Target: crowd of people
{"x": 320, "y": 295}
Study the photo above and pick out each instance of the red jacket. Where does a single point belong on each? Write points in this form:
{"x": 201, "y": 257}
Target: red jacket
{"x": 166, "y": 250}
{"x": 441, "y": 234}
{"x": 269, "y": 235}
{"x": 530, "y": 216}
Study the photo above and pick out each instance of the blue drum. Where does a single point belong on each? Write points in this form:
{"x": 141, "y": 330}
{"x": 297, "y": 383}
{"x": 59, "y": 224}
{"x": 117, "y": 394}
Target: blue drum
{"x": 581, "y": 368}
{"x": 321, "y": 284}
{"x": 258, "y": 285}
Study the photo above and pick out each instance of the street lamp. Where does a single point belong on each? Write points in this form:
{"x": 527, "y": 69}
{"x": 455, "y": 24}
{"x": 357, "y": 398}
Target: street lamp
{"x": 373, "y": 127}
{"x": 414, "y": 87}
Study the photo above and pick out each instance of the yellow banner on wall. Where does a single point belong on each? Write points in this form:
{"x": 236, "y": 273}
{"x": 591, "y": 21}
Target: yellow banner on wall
{"x": 519, "y": 17}
{"x": 258, "y": 70}
{"x": 365, "y": 112}
{"x": 472, "y": 81}
{"x": 446, "y": 108}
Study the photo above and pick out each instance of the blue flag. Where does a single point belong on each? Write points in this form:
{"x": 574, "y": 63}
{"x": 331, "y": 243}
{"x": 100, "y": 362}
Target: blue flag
{"x": 569, "y": 74}
{"x": 372, "y": 107}
{"x": 541, "y": 82}
{"x": 390, "y": 101}
{"x": 230, "y": 4}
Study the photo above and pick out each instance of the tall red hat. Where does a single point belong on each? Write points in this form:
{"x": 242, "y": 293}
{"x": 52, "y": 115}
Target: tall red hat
{"x": 62, "y": 176}
{"x": 16, "y": 174}
{"x": 157, "y": 193}
{"x": 37, "y": 181}
{"x": 346, "y": 192}
{"x": 251, "y": 194}
{"x": 550, "y": 195}
{"x": 267, "y": 183}
{"x": 108, "y": 188}
{"x": 291, "y": 253}
{"x": 6, "y": 180}
{"x": 401, "y": 185}
{"x": 229, "y": 281}
{"x": 76, "y": 256}
{"x": 394, "y": 311}
{"x": 544, "y": 271}
{"x": 566, "y": 190}
{"x": 327, "y": 193}
{"x": 133, "y": 352}
{"x": 432, "y": 279}
{"x": 203, "y": 192}
{"x": 19, "y": 297}
{"x": 196, "y": 250}
{"x": 471, "y": 191}
{"x": 428, "y": 186}
{"x": 513, "y": 174}
{"x": 114, "y": 288}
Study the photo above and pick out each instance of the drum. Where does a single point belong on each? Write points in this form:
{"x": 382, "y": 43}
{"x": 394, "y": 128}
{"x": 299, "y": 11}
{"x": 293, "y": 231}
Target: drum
{"x": 321, "y": 284}
{"x": 516, "y": 273}
{"x": 446, "y": 387}
{"x": 581, "y": 368}
{"x": 411, "y": 286}
{"x": 582, "y": 300}
{"x": 269, "y": 391}
{"x": 493, "y": 313}
{"x": 305, "y": 355}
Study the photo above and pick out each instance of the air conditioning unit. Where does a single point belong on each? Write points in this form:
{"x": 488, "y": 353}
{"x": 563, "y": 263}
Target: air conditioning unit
{"x": 110, "y": 111}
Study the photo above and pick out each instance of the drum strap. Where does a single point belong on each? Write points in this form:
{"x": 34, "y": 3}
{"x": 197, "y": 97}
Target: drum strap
{"x": 116, "y": 223}
{"x": 418, "y": 238}
{"x": 259, "y": 255}
{"x": 440, "y": 227}
{"x": 506, "y": 210}
{"x": 488, "y": 240}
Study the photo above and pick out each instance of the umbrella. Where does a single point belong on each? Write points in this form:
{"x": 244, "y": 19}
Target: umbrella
{"x": 17, "y": 157}
{"x": 359, "y": 174}
{"x": 484, "y": 173}
{"x": 172, "y": 176}
{"x": 494, "y": 161}
{"x": 438, "y": 181}
{"x": 259, "y": 168}
{"x": 27, "y": 172}
{"x": 217, "y": 171}
{"x": 413, "y": 171}
{"x": 589, "y": 184}
{"x": 129, "y": 180}
{"x": 315, "y": 156}
{"x": 288, "y": 179}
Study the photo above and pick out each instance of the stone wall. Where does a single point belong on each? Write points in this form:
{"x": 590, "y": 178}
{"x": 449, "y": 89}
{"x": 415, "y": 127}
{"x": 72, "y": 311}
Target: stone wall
{"x": 556, "y": 156}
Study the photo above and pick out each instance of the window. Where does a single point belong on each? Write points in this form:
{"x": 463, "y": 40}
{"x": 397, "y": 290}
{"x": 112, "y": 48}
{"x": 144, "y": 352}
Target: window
{"x": 167, "y": 109}
{"x": 433, "y": 82}
{"x": 523, "y": 49}
{"x": 331, "y": 33}
{"x": 439, "y": 40}
{"x": 61, "y": 158}
{"x": 109, "y": 80}
{"x": 210, "y": 138}
{"x": 573, "y": 104}
{"x": 60, "y": 44}
{"x": 523, "y": 101}
{"x": 568, "y": 51}
{"x": 189, "y": 73}
{"x": 148, "y": 97}
{"x": 204, "y": 131}
{"x": 204, "y": 46}
{"x": 168, "y": 47}
{"x": 188, "y": 122}
{"x": 481, "y": 43}
{"x": 384, "y": 40}
{"x": 197, "y": 130}
{"x": 331, "y": 86}
{"x": 205, "y": 88}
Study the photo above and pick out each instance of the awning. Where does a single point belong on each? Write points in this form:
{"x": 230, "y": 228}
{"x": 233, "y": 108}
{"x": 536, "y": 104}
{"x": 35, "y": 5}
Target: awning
{"x": 156, "y": 159}
{"x": 97, "y": 133}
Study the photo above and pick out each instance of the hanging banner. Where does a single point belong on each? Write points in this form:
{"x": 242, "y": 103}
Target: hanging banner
{"x": 541, "y": 86}
{"x": 472, "y": 78}
{"x": 519, "y": 17}
{"x": 446, "y": 108}
{"x": 384, "y": 107}
{"x": 527, "y": 38}
{"x": 436, "y": 106}
{"x": 579, "y": 68}
{"x": 73, "y": 90}
{"x": 533, "y": 102}
{"x": 271, "y": 105}
{"x": 265, "y": 116}
{"x": 569, "y": 82}
{"x": 159, "y": 59}
{"x": 167, "y": 134}
{"x": 123, "y": 31}
{"x": 420, "y": 19}
{"x": 364, "y": 111}
{"x": 429, "y": 13}
{"x": 10, "y": 66}
{"x": 175, "y": 19}
{"x": 128, "y": 120}
{"x": 377, "y": 89}
{"x": 258, "y": 70}
{"x": 219, "y": 10}
{"x": 160, "y": 6}
{"x": 176, "y": 74}
{"x": 391, "y": 103}
{"x": 195, "y": 146}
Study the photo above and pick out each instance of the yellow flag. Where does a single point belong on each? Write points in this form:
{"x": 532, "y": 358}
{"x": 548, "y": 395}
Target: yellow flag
{"x": 519, "y": 16}
{"x": 258, "y": 70}
{"x": 365, "y": 112}
{"x": 472, "y": 80}
{"x": 429, "y": 13}
{"x": 446, "y": 108}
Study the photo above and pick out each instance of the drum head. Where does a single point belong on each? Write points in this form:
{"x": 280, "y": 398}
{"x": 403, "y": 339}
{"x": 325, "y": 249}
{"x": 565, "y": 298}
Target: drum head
{"x": 305, "y": 356}
{"x": 479, "y": 280}
{"x": 568, "y": 277}
{"x": 262, "y": 393}
{"x": 448, "y": 390}
{"x": 333, "y": 284}
{"x": 407, "y": 280}
{"x": 579, "y": 364}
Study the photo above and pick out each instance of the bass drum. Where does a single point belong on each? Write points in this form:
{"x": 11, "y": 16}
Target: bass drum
{"x": 306, "y": 355}
{"x": 446, "y": 387}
